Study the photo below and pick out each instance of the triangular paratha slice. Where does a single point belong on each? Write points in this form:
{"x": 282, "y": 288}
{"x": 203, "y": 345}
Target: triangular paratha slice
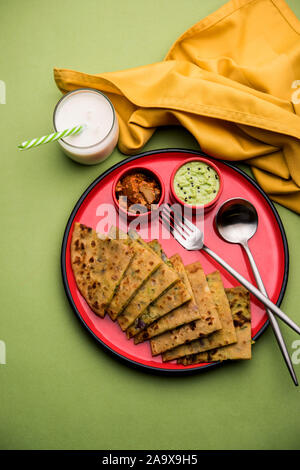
{"x": 173, "y": 298}
{"x": 193, "y": 328}
{"x": 144, "y": 263}
{"x": 239, "y": 301}
{"x": 184, "y": 314}
{"x": 98, "y": 265}
{"x": 226, "y": 335}
{"x": 163, "y": 278}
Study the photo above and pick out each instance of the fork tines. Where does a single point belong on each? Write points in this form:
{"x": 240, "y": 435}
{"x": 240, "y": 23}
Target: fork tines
{"x": 174, "y": 220}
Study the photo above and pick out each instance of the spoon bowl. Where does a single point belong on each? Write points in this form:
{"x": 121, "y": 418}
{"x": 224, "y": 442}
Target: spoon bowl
{"x": 236, "y": 220}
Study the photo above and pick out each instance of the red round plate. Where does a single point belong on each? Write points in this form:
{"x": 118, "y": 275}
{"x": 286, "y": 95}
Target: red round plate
{"x": 269, "y": 248}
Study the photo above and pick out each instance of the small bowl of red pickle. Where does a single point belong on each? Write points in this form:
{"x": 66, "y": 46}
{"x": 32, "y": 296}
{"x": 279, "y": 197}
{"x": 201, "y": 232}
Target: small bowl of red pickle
{"x": 138, "y": 191}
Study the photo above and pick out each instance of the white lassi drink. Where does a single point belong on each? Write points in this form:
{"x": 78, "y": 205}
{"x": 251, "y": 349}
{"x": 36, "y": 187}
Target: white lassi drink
{"x": 101, "y": 131}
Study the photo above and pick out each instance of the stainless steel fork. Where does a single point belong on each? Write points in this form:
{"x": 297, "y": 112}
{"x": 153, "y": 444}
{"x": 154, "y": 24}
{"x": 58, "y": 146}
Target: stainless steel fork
{"x": 191, "y": 238}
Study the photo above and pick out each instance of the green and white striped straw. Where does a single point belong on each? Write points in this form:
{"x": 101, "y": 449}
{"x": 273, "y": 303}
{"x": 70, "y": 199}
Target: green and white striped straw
{"x": 28, "y": 144}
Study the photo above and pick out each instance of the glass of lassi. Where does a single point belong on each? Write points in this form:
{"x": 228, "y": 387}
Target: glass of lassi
{"x": 93, "y": 110}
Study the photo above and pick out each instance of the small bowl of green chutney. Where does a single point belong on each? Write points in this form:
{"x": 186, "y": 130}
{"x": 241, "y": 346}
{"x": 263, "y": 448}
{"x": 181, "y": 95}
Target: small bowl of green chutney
{"x": 196, "y": 183}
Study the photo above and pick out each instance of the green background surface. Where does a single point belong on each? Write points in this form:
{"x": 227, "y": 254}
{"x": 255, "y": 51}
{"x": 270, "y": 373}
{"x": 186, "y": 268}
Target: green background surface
{"x": 59, "y": 389}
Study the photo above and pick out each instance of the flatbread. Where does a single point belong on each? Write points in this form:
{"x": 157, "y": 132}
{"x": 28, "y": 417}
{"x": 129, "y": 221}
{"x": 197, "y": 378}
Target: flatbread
{"x": 172, "y": 298}
{"x": 98, "y": 266}
{"x": 163, "y": 278}
{"x": 181, "y": 315}
{"x": 226, "y": 335}
{"x": 143, "y": 264}
{"x": 239, "y": 301}
{"x": 196, "y": 322}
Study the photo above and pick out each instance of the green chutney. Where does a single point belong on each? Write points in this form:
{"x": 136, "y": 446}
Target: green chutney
{"x": 196, "y": 183}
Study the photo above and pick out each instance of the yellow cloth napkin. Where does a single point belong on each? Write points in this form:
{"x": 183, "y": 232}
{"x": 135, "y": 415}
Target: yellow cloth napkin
{"x": 232, "y": 80}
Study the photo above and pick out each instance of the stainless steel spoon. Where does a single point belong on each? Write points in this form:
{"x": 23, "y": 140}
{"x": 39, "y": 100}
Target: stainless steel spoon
{"x": 236, "y": 222}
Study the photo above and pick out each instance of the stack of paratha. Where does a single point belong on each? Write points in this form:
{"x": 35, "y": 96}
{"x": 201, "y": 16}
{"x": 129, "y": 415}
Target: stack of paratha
{"x": 186, "y": 315}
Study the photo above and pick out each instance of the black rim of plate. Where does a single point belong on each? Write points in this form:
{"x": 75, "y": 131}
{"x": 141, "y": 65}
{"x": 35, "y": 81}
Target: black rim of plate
{"x": 100, "y": 178}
